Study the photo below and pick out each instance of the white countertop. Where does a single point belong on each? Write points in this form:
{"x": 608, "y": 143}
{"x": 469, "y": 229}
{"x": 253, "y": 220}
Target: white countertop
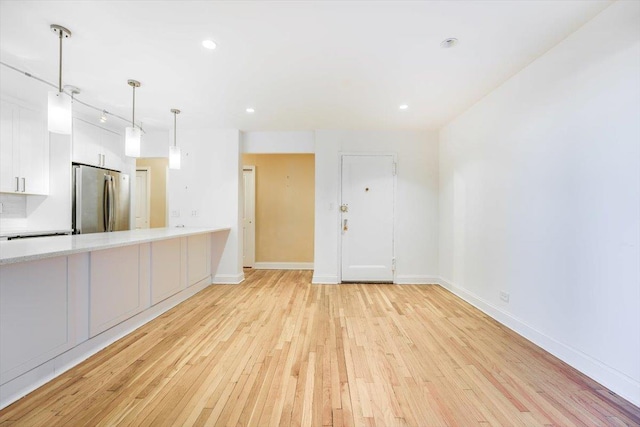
{"x": 21, "y": 250}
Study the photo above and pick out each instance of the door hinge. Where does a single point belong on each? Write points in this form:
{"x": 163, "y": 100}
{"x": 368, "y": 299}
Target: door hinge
{"x": 393, "y": 264}
{"x": 395, "y": 168}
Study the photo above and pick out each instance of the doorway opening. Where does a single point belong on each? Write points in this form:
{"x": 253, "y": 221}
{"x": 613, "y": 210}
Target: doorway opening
{"x": 249, "y": 216}
{"x": 284, "y": 210}
{"x": 156, "y": 190}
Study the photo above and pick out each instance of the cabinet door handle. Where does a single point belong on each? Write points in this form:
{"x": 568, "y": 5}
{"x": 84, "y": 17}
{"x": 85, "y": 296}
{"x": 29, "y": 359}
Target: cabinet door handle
{"x": 24, "y": 185}
{"x": 17, "y": 184}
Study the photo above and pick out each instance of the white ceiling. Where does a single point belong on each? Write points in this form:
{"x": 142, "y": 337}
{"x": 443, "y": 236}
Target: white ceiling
{"x": 301, "y": 65}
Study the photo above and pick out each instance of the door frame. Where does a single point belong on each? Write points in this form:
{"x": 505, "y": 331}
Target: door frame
{"x": 341, "y": 154}
{"x": 251, "y": 168}
{"x": 147, "y": 184}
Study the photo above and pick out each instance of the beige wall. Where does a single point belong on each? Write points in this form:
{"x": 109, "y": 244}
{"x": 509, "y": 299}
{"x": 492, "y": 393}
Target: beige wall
{"x": 285, "y": 204}
{"x": 158, "y": 169}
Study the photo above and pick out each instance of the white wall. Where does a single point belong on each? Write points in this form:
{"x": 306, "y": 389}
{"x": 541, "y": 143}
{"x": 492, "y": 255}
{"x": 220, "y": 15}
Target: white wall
{"x": 206, "y": 191}
{"x": 156, "y": 143}
{"x": 278, "y": 142}
{"x": 539, "y": 197}
{"x": 416, "y": 210}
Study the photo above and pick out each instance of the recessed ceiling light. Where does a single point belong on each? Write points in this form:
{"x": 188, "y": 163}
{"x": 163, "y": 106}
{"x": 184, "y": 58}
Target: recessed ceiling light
{"x": 209, "y": 44}
{"x": 250, "y": 110}
{"x": 447, "y": 43}
{"x": 403, "y": 107}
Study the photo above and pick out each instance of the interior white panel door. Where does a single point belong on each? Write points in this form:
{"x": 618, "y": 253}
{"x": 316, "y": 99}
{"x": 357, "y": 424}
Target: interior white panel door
{"x": 367, "y": 218}
{"x": 249, "y": 217}
{"x": 142, "y": 199}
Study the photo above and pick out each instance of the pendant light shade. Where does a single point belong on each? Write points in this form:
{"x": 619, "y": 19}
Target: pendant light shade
{"x": 132, "y": 142}
{"x": 132, "y": 134}
{"x": 59, "y": 114}
{"x": 174, "y": 150}
{"x": 174, "y": 157}
{"x": 59, "y": 120}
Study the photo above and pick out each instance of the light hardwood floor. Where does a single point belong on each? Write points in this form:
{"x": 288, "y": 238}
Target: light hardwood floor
{"x": 276, "y": 350}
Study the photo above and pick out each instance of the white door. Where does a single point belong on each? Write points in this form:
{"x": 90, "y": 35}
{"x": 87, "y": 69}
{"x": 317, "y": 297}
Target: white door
{"x": 143, "y": 212}
{"x": 367, "y": 218}
{"x": 249, "y": 216}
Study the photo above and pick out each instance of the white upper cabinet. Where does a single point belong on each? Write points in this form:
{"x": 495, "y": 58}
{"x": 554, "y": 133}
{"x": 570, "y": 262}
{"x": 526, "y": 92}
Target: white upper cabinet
{"x": 7, "y": 182}
{"x": 113, "y": 146}
{"x": 97, "y": 146}
{"x": 24, "y": 150}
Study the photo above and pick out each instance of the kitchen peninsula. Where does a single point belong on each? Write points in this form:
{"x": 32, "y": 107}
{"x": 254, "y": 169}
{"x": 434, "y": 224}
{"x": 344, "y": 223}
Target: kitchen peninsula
{"x": 64, "y": 298}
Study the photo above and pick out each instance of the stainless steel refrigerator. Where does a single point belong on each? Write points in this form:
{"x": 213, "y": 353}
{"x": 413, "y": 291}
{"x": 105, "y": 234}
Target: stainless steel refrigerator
{"x": 101, "y": 200}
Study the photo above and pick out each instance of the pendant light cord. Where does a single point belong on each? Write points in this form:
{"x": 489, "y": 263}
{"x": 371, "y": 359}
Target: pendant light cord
{"x": 174, "y": 129}
{"x": 60, "y": 65}
{"x": 133, "y": 116}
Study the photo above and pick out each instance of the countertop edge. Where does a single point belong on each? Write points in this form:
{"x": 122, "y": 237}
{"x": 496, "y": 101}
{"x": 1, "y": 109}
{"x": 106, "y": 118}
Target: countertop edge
{"x": 132, "y": 240}
{"x": 17, "y": 232}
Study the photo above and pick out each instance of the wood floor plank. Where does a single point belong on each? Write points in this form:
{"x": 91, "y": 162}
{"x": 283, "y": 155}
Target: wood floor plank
{"x": 277, "y": 350}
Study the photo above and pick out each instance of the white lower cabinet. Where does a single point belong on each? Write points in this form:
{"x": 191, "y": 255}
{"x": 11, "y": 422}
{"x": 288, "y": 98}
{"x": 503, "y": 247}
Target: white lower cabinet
{"x": 198, "y": 258}
{"x": 35, "y": 315}
{"x": 166, "y": 269}
{"x": 115, "y": 288}
{"x": 58, "y": 311}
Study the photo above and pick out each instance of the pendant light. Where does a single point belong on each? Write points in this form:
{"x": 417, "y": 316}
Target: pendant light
{"x": 132, "y": 134}
{"x": 174, "y": 150}
{"x": 59, "y": 114}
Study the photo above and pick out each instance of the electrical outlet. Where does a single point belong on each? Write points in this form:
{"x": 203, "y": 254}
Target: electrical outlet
{"x": 504, "y": 296}
{"x": 194, "y": 213}
{"x": 175, "y": 214}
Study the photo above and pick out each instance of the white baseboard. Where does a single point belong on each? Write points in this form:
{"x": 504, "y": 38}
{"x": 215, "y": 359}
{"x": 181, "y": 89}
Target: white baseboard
{"x": 228, "y": 279}
{"x": 324, "y": 280}
{"x": 609, "y": 377}
{"x": 414, "y": 279}
{"x": 20, "y": 386}
{"x": 283, "y": 266}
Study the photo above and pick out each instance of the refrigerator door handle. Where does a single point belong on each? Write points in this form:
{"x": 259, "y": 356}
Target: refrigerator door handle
{"x": 106, "y": 205}
{"x": 112, "y": 204}
{"x": 78, "y": 200}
